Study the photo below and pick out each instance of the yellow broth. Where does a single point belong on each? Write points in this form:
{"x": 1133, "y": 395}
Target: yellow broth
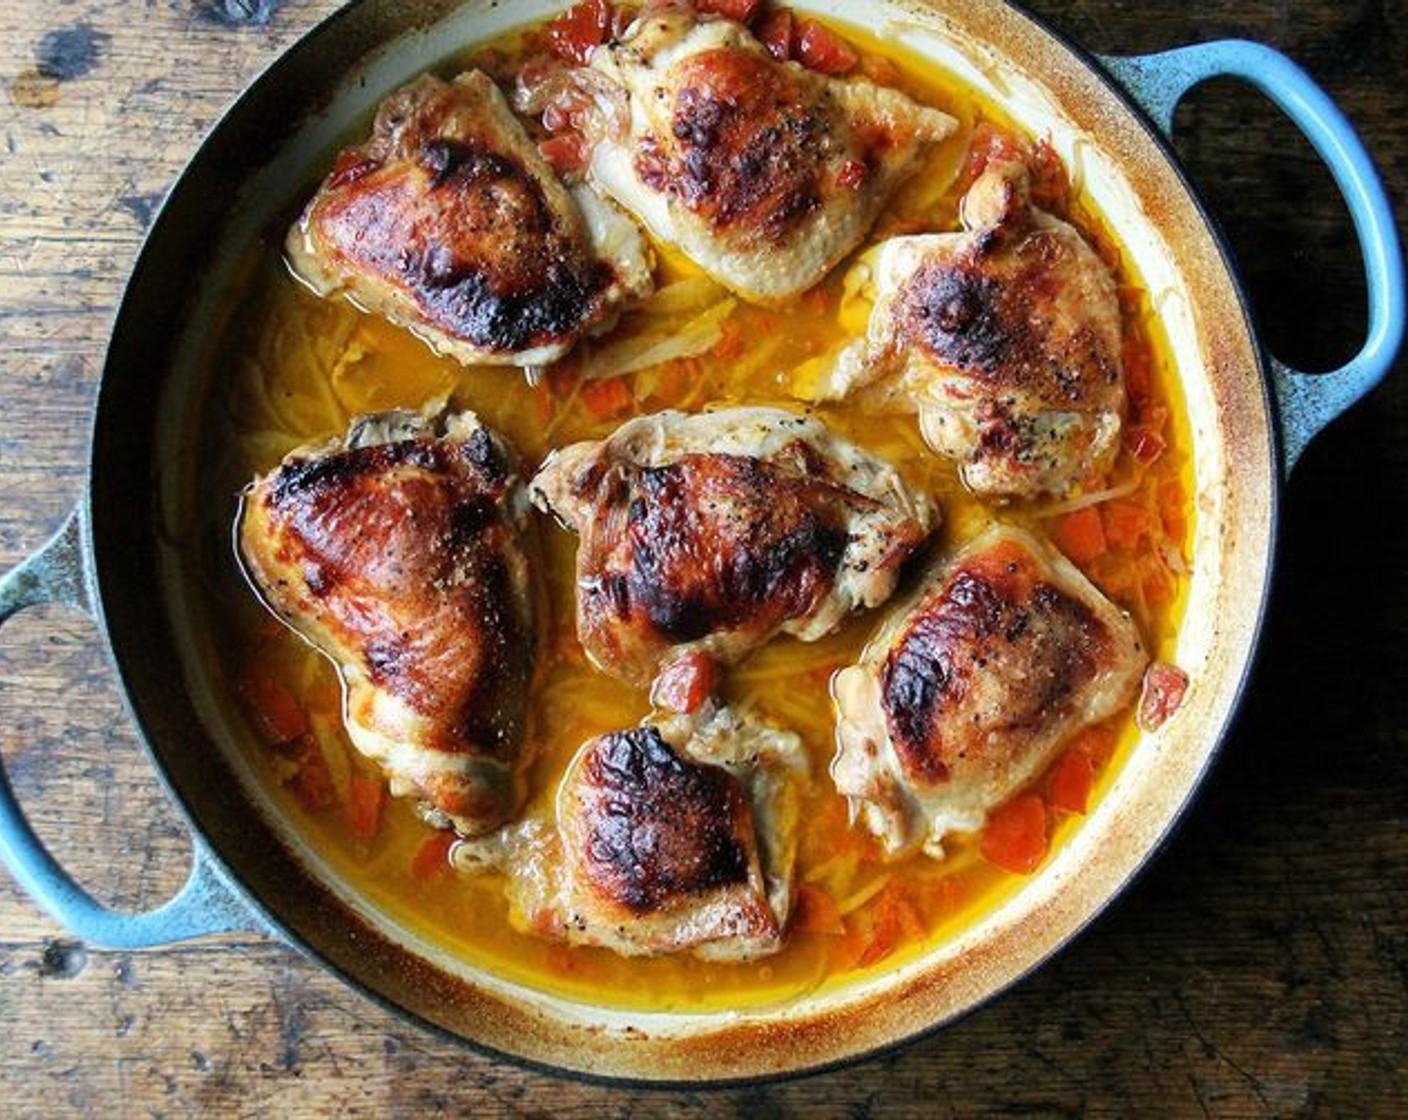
{"x": 297, "y": 369}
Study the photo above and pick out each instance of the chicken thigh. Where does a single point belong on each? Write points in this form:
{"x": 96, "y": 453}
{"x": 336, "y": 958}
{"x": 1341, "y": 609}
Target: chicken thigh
{"x": 969, "y": 690}
{"x": 449, "y": 222}
{"x": 397, "y": 552}
{"x": 710, "y": 533}
{"x": 763, "y": 173}
{"x": 675, "y": 836}
{"x": 1005, "y": 337}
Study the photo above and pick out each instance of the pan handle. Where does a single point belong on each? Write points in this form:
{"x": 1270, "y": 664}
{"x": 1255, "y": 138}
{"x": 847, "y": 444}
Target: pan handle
{"x": 1305, "y": 403}
{"x": 206, "y": 904}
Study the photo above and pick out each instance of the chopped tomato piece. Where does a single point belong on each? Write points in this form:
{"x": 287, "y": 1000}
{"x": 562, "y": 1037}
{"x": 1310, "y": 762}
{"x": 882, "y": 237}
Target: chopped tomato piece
{"x": 816, "y": 913}
{"x": 685, "y": 683}
{"x": 312, "y": 780}
{"x": 545, "y": 922}
{"x": 883, "y": 938}
{"x": 1080, "y": 535}
{"x": 990, "y": 144}
{"x": 580, "y": 30}
{"x": 350, "y": 167}
{"x": 880, "y": 70}
{"x": 946, "y": 896}
{"x": 1158, "y": 584}
{"x": 1173, "y": 511}
{"x": 1116, "y": 582}
{"x": 606, "y": 398}
{"x": 564, "y": 153}
{"x": 1125, "y": 523}
{"x": 775, "y": 33}
{"x": 555, "y": 117}
{"x": 1070, "y": 780}
{"x": 1051, "y": 189}
{"x": 1153, "y": 416}
{"x": 432, "y": 858}
{"x": 1144, "y": 443}
{"x": 1050, "y": 185}
{"x": 910, "y": 921}
{"x": 1015, "y": 835}
{"x": 1138, "y": 371}
{"x": 1165, "y": 686}
{"x": 730, "y": 344}
{"x": 1098, "y": 742}
{"x": 820, "y": 49}
{"x": 679, "y": 376}
{"x": 894, "y": 917}
{"x": 741, "y": 10}
{"x": 365, "y": 797}
{"x": 845, "y": 952}
{"x": 852, "y": 174}
{"x": 541, "y": 64}
{"x": 276, "y": 714}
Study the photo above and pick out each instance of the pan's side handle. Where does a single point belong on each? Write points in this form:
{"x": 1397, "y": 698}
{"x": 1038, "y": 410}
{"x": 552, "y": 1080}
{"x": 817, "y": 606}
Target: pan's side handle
{"x": 206, "y": 904}
{"x": 1305, "y": 403}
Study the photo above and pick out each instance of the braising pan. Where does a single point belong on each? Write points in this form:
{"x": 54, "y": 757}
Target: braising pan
{"x": 1250, "y": 417}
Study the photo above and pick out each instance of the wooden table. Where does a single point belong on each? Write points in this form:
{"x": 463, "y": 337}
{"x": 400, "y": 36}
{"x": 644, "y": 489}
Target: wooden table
{"x": 1259, "y": 968}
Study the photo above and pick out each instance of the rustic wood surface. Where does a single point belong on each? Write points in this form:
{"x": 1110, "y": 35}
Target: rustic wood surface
{"x": 1259, "y": 969}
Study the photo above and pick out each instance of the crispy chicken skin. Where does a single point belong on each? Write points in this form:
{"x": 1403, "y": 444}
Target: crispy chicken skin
{"x": 969, "y": 689}
{"x": 675, "y": 836}
{"x": 449, "y": 222}
{"x": 713, "y": 532}
{"x": 397, "y": 552}
{"x": 763, "y": 173}
{"x": 1005, "y": 337}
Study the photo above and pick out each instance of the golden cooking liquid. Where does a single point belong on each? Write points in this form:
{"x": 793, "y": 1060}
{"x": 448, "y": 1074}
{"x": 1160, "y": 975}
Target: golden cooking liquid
{"x": 299, "y": 368}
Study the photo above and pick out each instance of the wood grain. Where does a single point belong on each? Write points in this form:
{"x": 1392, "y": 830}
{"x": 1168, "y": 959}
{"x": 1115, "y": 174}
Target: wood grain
{"x": 1258, "y": 969}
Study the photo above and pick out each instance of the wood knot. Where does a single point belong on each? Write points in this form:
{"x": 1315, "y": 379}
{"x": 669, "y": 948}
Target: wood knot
{"x": 239, "y": 13}
{"x": 62, "y": 959}
{"x": 69, "y": 52}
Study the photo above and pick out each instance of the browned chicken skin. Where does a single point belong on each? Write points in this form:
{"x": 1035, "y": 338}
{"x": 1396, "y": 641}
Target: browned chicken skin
{"x": 675, "y": 836}
{"x": 449, "y": 222}
{"x": 397, "y": 553}
{"x": 1006, "y": 340}
{"x": 763, "y": 173}
{"x": 647, "y": 825}
{"x": 969, "y": 689}
{"x": 714, "y": 532}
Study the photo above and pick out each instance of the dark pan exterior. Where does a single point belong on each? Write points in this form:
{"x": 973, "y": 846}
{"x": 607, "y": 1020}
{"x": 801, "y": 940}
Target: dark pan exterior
{"x": 1237, "y": 494}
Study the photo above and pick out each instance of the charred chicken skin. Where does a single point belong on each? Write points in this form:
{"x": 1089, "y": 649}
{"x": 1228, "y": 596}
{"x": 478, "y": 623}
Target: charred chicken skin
{"x": 711, "y": 533}
{"x": 449, "y": 222}
{"x": 969, "y": 689}
{"x": 397, "y": 552}
{"x": 675, "y": 836}
{"x": 1006, "y": 338}
{"x": 763, "y": 173}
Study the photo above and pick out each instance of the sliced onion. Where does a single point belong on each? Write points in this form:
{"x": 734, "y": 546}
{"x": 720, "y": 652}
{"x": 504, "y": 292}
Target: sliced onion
{"x": 1094, "y": 498}
{"x": 864, "y": 895}
{"x": 629, "y": 355}
{"x": 1173, "y": 558}
{"x": 691, "y": 294}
